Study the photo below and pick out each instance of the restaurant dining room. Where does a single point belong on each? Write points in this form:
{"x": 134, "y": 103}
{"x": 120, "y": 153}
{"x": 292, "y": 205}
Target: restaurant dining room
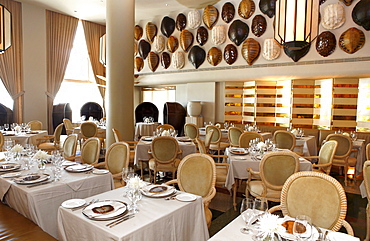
{"x": 185, "y": 120}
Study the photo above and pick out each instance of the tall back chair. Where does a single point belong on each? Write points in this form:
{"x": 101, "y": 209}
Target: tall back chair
{"x": 284, "y": 139}
{"x": 132, "y": 145}
{"x": 191, "y": 131}
{"x": 325, "y": 157}
{"x": 90, "y": 151}
{"x": 197, "y": 175}
{"x": 165, "y": 127}
{"x": 299, "y": 196}
{"x": 51, "y": 142}
{"x": 70, "y": 147}
{"x": 368, "y": 151}
{"x": 68, "y": 126}
{"x": 165, "y": 151}
{"x": 341, "y": 156}
{"x": 116, "y": 158}
{"x": 247, "y": 136}
{"x": 216, "y": 144}
{"x": 35, "y": 125}
{"x": 275, "y": 169}
{"x": 1, "y": 141}
{"x": 117, "y": 135}
{"x": 233, "y": 135}
{"x": 366, "y": 173}
{"x": 88, "y": 129}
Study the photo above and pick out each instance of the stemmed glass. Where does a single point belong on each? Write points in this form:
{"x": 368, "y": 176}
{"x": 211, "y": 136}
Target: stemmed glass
{"x": 6, "y": 127}
{"x": 248, "y": 212}
{"x": 261, "y": 205}
{"x": 8, "y": 144}
{"x": 302, "y": 227}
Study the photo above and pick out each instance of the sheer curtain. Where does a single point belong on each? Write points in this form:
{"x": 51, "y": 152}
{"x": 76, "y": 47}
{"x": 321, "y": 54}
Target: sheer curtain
{"x": 93, "y": 32}
{"x": 11, "y": 61}
{"x": 60, "y": 33}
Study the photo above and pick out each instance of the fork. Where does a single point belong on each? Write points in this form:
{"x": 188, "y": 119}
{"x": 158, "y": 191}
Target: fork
{"x": 86, "y": 204}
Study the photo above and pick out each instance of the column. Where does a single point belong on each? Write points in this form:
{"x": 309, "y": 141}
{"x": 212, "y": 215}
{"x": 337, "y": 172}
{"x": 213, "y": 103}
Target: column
{"x": 120, "y": 68}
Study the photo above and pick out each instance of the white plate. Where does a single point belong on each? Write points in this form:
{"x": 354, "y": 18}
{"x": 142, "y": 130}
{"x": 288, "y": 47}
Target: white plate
{"x": 100, "y": 171}
{"x": 31, "y": 178}
{"x": 73, "y": 203}
{"x": 186, "y": 197}
{"x": 9, "y": 167}
{"x": 289, "y": 236}
{"x": 146, "y": 138}
{"x": 119, "y": 209}
{"x": 240, "y": 158}
{"x": 11, "y": 174}
{"x": 238, "y": 151}
{"x": 169, "y": 191}
{"x": 68, "y": 163}
{"x": 79, "y": 168}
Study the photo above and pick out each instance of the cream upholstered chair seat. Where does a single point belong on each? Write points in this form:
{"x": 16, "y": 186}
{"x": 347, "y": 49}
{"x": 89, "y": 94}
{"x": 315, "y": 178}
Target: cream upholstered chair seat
{"x": 116, "y": 158}
{"x": 247, "y": 136}
{"x": 275, "y": 169}
{"x": 70, "y": 147}
{"x": 197, "y": 175}
{"x": 318, "y": 196}
{"x": 366, "y": 173}
{"x": 51, "y": 142}
{"x": 35, "y": 125}
{"x": 325, "y": 157}
{"x": 233, "y": 135}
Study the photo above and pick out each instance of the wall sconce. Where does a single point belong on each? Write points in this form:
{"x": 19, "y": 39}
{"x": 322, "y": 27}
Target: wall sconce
{"x": 102, "y": 51}
{"x": 5, "y": 29}
{"x": 296, "y": 26}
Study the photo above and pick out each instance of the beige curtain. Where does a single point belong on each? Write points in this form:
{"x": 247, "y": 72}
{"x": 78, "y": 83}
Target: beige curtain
{"x": 11, "y": 61}
{"x": 93, "y": 32}
{"x": 60, "y": 34}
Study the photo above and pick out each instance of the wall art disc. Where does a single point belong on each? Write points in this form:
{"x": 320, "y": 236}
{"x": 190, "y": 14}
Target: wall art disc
{"x": 153, "y": 60}
{"x": 202, "y": 35}
{"x": 210, "y": 16}
{"x": 159, "y": 43}
{"x": 361, "y": 14}
{"x": 333, "y": 16}
{"x": 139, "y": 64}
{"x": 268, "y": 7}
{"x": 259, "y": 25}
{"x": 219, "y": 34}
{"x": 352, "y": 40}
{"x": 144, "y": 48}
{"x": 214, "y": 56}
{"x": 251, "y": 50}
{"x": 194, "y": 19}
{"x": 228, "y": 12}
{"x": 167, "y": 26}
{"x": 271, "y": 49}
{"x": 172, "y": 44}
{"x": 151, "y": 31}
{"x": 196, "y": 56}
{"x": 138, "y": 32}
{"x": 165, "y": 60}
{"x": 186, "y": 40}
{"x": 230, "y": 54}
{"x": 238, "y": 31}
{"x": 178, "y": 60}
{"x": 246, "y": 8}
{"x": 326, "y": 43}
{"x": 181, "y": 22}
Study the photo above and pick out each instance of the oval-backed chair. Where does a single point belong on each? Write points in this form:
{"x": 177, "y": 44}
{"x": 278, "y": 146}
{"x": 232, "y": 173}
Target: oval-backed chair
{"x": 116, "y": 158}
{"x": 197, "y": 175}
{"x": 165, "y": 127}
{"x": 68, "y": 126}
{"x": 191, "y": 131}
{"x": 132, "y": 144}
{"x": 90, "y": 152}
{"x": 286, "y": 140}
{"x": 299, "y": 196}
{"x": 1, "y": 141}
{"x": 216, "y": 144}
{"x": 70, "y": 147}
{"x": 35, "y": 125}
{"x": 247, "y": 136}
{"x": 325, "y": 157}
{"x": 51, "y": 142}
{"x": 233, "y": 135}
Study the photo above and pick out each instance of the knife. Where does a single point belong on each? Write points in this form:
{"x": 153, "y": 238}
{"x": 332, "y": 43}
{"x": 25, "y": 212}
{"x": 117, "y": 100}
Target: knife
{"x": 120, "y": 220}
{"x": 41, "y": 183}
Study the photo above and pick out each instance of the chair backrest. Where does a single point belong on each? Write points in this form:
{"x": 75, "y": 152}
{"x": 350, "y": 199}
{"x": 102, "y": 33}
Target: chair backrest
{"x": 344, "y": 145}
{"x": 67, "y": 124}
{"x": 1, "y": 141}
{"x": 216, "y": 137}
{"x": 116, "y": 134}
{"x": 197, "y": 174}
{"x": 366, "y": 173}
{"x": 368, "y": 151}
{"x": 277, "y": 167}
{"x": 57, "y": 133}
{"x": 326, "y": 154}
{"x": 191, "y": 130}
{"x": 88, "y": 129}
{"x": 201, "y": 147}
{"x": 208, "y": 139}
{"x": 90, "y": 150}
{"x": 35, "y": 125}
{"x": 165, "y": 127}
{"x": 165, "y": 149}
{"x": 70, "y": 146}
{"x": 234, "y": 134}
{"x": 117, "y": 157}
{"x": 300, "y": 193}
{"x": 284, "y": 139}
{"x": 247, "y": 136}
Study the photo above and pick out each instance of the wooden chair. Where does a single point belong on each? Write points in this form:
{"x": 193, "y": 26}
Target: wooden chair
{"x": 116, "y": 158}
{"x": 191, "y": 131}
{"x": 35, "y": 125}
{"x": 68, "y": 126}
{"x": 247, "y": 136}
{"x": 366, "y": 173}
{"x": 88, "y": 130}
{"x": 165, "y": 127}
{"x": 90, "y": 152}
{"x": 216, "y": 144}
{"x": 50, "y": 142}
{"x": 286, "y": 140}
{"x": 197, "y": 175}
{"x": 318, "y": 196}
{"x": 132, "y": 145}
{"x": 325, "y": 157}
{"x": 70, "y": 147}
{"x": 233, "y": 135}
{"x": 1, "y": 141}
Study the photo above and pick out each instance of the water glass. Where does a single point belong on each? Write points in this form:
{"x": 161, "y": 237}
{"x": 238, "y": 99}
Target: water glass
{"x": 6, "y": 127}
{"x": 134, "y": 195}
{"x": 248, "y": 213}
{"x": 261, "y": 204}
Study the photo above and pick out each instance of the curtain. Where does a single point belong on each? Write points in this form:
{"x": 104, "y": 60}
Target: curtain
{"x": 11, "y": 61}
{"x": 60, "y": 34}
{"x": 93, "y": 32}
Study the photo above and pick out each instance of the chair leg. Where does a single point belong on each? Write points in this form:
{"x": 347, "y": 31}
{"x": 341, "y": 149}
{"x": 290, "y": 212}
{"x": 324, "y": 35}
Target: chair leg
{"x": 367, "y": 223}
{"x": 345, "y": 175}
{"x": 235, "y": 190}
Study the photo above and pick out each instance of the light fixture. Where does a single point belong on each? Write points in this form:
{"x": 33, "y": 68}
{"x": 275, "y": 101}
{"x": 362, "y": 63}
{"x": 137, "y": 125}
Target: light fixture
{"x": 5, "y": 29}
{"x": 296, "y": 25}
{"x": 102, "y": 51}
{"x": 197, "y": 3}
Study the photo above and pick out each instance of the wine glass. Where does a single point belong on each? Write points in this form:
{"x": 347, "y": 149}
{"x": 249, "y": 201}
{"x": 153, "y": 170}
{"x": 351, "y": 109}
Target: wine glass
{"x": 127, "y": 173}
{"x": 247, "y": 212}
{"x": 261, "y": 204}
{"x": 302, "y": 227}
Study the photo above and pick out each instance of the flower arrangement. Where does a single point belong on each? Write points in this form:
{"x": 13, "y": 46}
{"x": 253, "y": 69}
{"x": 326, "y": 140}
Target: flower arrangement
{"x": 17, "y": 128}
{"x": 295, "y": 132}
{"x": 269, "y": 225}
{"x": 17, "y": 149}
{"x": 136, "y": 183}
{"x": 166, "y": 133}
{"x": 41, "y": 155}
{"x": 261, "y": 145}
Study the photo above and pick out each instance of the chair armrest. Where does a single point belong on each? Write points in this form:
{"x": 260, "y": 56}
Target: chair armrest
{"x": 174, "y": 181}
{"x": 179, "y": 154}
{"x": 224, "y": 157}
{"x": 311, "y": 157}
{"x": 99, "y": 164}
{"x": 250, "y": 170}
{"x": 208, "y": 199}
{"x": 117, "y": 176}
{"x": 70, "y": 158}
{"x": 274, "y": 209}
{"x": 322, "y": 165}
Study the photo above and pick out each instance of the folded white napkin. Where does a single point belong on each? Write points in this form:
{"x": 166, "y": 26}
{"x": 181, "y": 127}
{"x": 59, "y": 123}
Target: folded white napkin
{"x": 338, "y": 236}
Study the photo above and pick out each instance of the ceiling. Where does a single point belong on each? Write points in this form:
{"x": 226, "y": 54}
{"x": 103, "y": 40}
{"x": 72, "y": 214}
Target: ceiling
{"x": 94, "y": 10}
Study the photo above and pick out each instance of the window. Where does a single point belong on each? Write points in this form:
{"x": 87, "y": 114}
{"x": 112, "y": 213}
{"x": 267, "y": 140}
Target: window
{"x": 159, "y": 96}
{"x": 5, "y": 98}
{"x": 79, "y": 84}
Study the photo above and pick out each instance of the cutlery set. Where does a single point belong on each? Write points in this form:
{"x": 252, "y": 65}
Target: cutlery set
{"x": 86, "y": 204}
{"x": 120, "y": 220}
{"x": 40, "y": 183}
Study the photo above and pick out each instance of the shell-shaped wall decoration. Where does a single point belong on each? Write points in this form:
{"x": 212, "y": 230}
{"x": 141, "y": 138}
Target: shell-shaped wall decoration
{"x": 214, "y": 56}
{"x": 326, "y": 43}
{"x": 271, "y": 49}
{"x": 136, "y": 49}
{"x": 167, "y": 26}
{"x": 333, "y": 16}
{"x": 361, "y": 14}
{"x": 259, "y": 25}
{"x": 352, "y": 40}
{"x": 172, "y": 44}
{"x": 202, "y": 35}
{"x": 144, "y": 48}
{"x": 159, "y": 44}
{"x": 178, "y": 60}
{"x": 151, "y": 31}
{"x": 186, "y": 40}
{"x": 228, "y": 12}
{"x": 268, "y": 7}
{"x": 196, "y": 56}
{"x": 347, "y": 2}
{"x": 138, "y": 32}
{"x": 194, "y": 19}
{"x": 246, "y": 8}
{"x": 219, "y": 34}
{"x": 238, "y": 32}
{"x": 139, "y": 64}
{"x": 230, "y": 54}
{"x": 180, "y": 22}
{"x": 251, "y": 50}
{"x": 153, "y": 61}
{"x": 210, "y": 16}
{"x": 165, "y": 60}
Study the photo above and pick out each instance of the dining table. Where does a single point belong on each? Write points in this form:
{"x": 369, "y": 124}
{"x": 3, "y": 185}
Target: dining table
{"x": 231, "y": 232}
{"x": 145, "y": 129}
{"x": 23, "y": 138}
{"x": 157, "y": 219}
{"x": 309, "y": 145}
{"x": 40, "y": 203}
{"x": 225, "y": 133}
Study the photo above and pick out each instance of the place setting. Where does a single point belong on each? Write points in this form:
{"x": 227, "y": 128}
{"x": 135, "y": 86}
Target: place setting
{"x": 33, "y": 179}
{"x": 79, "y": 168}
{"x": 6, "y": 167}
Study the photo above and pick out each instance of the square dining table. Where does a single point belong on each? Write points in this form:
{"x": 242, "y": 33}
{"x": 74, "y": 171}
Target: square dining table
{"x": 157, "y": 219}
{"x": 40, "y": 203}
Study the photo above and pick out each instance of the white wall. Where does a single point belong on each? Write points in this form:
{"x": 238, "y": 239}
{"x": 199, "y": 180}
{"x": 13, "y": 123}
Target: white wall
{"x": 34, "y": 63}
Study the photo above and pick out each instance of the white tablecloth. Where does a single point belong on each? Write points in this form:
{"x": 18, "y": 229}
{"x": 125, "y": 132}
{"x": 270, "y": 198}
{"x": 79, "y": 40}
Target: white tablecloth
{"x": 157, "y": 219}
{"x": 145, "y": 129}
{"x": 142, "y": 147}
{"x": 361, "y": 154}
{"x": 224, "y": 132}
{"x": 40, "y": 204}
{"x": 309, "y": 145}
{"x": 101, "y": 132}
{"x": 24, "y": 138}
{"x": 231, "y": 232}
